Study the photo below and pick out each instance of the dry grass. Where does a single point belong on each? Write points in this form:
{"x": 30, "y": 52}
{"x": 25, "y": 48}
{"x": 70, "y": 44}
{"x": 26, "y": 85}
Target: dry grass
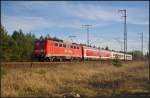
{"x": 85, "y": 79}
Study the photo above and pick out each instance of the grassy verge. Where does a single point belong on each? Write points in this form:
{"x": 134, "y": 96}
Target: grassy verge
{"x": 89, "y": 80}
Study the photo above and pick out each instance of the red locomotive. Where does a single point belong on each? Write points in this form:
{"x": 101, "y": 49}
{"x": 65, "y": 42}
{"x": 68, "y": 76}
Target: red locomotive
{"x": 57, "y": 50}
{"x": 54, "y": 50}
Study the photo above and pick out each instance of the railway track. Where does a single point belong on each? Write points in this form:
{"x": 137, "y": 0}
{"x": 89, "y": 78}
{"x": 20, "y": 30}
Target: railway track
{"x": 46, "y": 64}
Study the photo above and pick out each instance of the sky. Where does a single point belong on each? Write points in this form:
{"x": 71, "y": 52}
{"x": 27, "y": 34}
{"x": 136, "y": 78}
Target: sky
{"x": 65, "y": 18}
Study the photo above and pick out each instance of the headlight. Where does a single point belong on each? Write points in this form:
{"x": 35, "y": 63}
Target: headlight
{"x": 36, "y": 50}
{"x": 42, "y": 50}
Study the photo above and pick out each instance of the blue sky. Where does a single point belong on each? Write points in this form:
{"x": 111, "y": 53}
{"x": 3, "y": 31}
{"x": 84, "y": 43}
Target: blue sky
{"x": 64, "y": 18}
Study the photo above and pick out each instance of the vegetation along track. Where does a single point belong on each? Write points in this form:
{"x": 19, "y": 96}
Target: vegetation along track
{"x": 48, "y": 64}
{"x": 88, "y": 79}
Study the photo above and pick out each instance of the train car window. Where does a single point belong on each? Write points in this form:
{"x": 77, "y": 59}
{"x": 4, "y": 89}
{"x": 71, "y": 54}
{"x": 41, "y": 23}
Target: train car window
{"x": 64, "y": 45}
{"x": 60, "y": 45}
{"x": 74, "y": 47}
{"x": 56, "y": 44}
{"x": 77, "y": 47}
{"x": 67, "y": 46}
{"x": 71, "y": 46}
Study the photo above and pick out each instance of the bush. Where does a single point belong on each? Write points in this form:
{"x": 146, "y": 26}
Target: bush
{"x": 116, "y": 63}
{"x": 3, "y": 71}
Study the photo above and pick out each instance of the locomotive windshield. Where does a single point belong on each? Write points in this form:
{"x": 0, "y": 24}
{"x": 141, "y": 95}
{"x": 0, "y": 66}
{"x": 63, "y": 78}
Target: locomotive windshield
{"x": 39, "y": 43}
{"x": 39, "y": 46}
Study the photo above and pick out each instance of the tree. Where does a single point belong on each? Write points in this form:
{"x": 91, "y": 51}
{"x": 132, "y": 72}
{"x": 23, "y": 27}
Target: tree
{"x": 106, "y": 48}
{"x": 18, "y": 46}
{"x": 4, "y": 38}
{"x": 136, "y": 54}
{"x": 29, "y": 46}
{"x": 48, "y": 36}
{"x": 94, "y": 46}
{"x": 41, "y": 37}
{"x": 7, "y": 45}
{"x": 22, "y": 45}
{"x": 19, "y": 38}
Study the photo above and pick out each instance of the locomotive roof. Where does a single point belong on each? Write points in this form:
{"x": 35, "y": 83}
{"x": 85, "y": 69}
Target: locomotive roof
{"x": 63, "y": 41}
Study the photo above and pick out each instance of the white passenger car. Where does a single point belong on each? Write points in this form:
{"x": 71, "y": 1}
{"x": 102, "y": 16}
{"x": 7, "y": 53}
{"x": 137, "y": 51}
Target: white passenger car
{"x": 121, "y": 56}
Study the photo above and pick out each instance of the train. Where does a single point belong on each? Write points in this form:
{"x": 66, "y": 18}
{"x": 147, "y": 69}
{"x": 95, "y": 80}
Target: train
{"x": 62, "y": 50}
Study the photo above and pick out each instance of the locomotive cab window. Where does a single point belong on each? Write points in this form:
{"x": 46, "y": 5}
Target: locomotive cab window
{"x": 40, "y": 43}
{"x": 37, "y": 44}
{"x": 56, "y": 44}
